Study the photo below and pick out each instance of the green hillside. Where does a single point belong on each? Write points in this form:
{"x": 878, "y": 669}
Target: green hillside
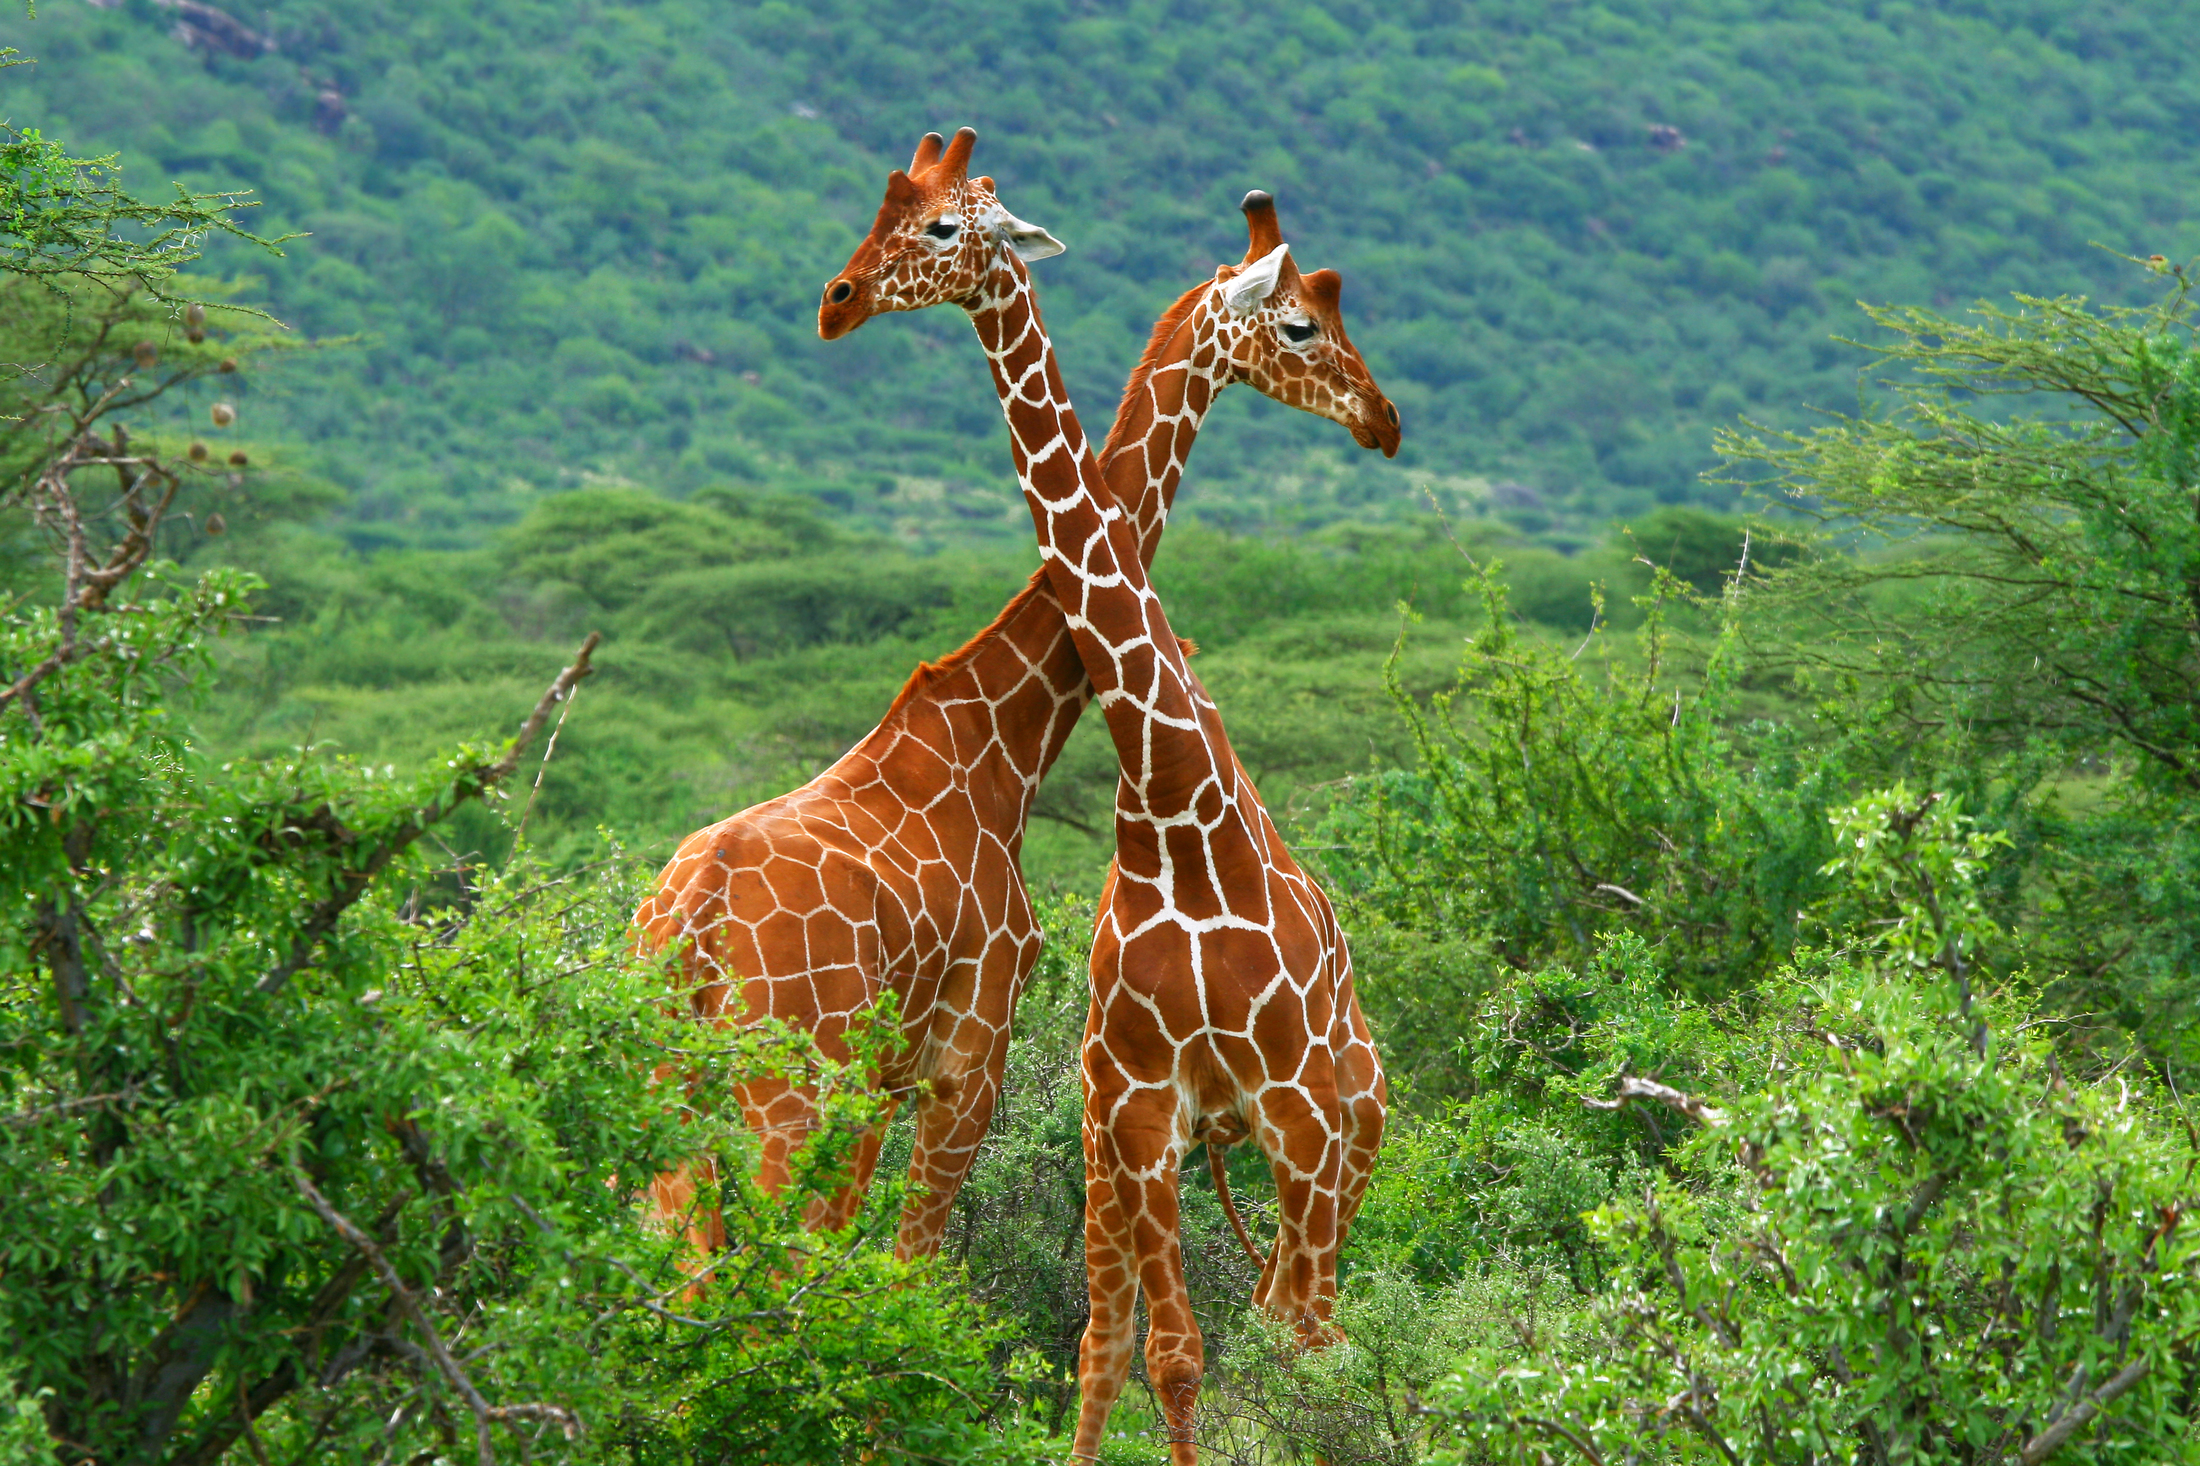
{"x": 581, "y": 242}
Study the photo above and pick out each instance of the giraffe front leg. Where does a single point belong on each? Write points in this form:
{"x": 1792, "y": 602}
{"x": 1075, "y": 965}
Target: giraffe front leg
{"x": 1137, "y": 1144}
{"x": 832, "y": 1212}
{"x": 675, "y": 1201}
{"x": 1132, "y": 1150}
{"x": 781, "y": 1116}
{"x": 1111, "y": 1319}
{"x": 951, "y": 1125}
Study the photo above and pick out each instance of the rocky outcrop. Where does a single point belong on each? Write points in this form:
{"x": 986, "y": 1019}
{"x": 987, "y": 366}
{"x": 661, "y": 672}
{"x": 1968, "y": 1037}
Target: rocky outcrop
{"x": 204, "y": 28}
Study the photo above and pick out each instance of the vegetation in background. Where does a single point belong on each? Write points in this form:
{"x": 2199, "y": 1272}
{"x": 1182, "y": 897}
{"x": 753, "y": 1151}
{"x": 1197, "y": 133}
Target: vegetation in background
{"x": 1576, "y": 238}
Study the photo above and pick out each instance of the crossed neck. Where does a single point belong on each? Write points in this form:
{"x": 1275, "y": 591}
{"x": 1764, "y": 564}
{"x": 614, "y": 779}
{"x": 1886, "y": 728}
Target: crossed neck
{"x": 1093, "y": 559}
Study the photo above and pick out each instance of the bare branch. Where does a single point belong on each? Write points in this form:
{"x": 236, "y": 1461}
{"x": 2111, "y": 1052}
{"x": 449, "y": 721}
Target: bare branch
{"x": 1634, "y": 1087}
{"x": 1589, "y": 1452}
{"x": 469, "y": 784}
{"x": 22, "y": 1118}
{"x": 2052, "y": 1439}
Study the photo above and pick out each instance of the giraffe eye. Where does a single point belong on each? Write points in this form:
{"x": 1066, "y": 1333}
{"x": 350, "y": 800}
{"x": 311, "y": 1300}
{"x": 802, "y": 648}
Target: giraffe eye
{"x": 941, "y": 229}
{"x": 1298, "y": 333}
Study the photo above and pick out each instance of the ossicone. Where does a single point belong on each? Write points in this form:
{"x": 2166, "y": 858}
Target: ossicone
{"x": 956, "y": 161}
{"x": 1263, "y": 232}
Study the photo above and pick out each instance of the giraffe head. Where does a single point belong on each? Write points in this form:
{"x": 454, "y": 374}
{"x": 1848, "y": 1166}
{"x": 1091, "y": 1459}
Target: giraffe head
{"x": 937, "y": 237}
{"x": 1286, "y": 337}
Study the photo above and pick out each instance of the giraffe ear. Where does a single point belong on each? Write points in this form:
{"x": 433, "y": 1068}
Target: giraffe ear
{"x": 1028, "y": 240}
{"x": 1248, "y": 290}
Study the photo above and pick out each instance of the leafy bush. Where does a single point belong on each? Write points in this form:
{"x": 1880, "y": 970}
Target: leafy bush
{"x": 314, "y": 1145}
{"x": 1918, "y": 1241}
{"x": 1548, "y": 807}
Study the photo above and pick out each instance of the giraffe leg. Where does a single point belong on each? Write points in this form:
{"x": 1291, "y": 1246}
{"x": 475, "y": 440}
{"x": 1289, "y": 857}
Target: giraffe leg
{"x": 951, "y": 1125}
{"x": 1365, "y": 1113}
{"x": 675, "y": 1198}
{"x": 1304, "y": 1137}
{"x": 1111, "y": 1294}
{"x": 831, "y": 1213}
{"x": 1137, "y": 1149}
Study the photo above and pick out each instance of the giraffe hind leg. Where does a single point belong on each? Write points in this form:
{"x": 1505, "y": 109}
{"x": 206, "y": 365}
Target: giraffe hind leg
{"x": 1305, "y": 1141}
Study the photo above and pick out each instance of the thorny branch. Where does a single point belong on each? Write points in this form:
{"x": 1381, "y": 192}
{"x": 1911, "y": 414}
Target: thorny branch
{"x": 485, "y": 1415}
{"x": 1634, "y": 1087}
{"x": 469, "y": 783}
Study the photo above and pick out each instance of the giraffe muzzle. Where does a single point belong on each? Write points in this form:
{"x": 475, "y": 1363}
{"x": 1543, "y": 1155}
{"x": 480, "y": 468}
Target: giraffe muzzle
{"x": 1380, "y": 429}
{"x": 841, "y": 311}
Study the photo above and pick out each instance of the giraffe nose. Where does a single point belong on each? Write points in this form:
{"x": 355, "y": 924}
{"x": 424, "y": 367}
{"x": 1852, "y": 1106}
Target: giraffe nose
{"x": 839, "y": 291}
{"x": 1390, "y": 410}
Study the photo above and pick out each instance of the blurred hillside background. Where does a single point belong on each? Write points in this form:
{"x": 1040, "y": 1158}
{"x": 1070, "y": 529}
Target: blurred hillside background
{"x": 582, "y": 241}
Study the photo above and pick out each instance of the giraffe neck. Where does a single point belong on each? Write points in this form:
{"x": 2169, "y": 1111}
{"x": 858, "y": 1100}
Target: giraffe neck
{"x": 1167, "y": 398}
{"x": 1090, "y": 552}
{"x": 1017, "y": 688}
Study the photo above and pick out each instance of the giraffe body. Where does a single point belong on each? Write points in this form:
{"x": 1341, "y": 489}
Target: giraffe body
{"x": 1222, "y": 999}
{"x": 899, "y": 867}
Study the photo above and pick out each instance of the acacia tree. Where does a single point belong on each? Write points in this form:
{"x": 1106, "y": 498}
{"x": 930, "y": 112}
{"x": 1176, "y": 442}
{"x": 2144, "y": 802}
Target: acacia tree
{"x": 2030, "y": 613}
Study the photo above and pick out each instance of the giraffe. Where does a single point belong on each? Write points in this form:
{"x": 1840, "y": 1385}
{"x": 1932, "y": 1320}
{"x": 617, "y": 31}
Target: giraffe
{"x": 1222, "y": 995}
{"x": 898, "y": 867}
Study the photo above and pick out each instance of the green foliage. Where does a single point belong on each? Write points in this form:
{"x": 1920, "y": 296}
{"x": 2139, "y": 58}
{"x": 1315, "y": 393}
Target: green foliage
{"x": 1941, "y": 1256}
{"x": 1548, "y": 806}
{"x": 2045, "y": 625}
{"x": 312, "y": 1146}
{"x": 1358, "y": 1404}
{"x": 62, "y": 216}
{"x": 573, "y": 235}
{"x": 1935, "y": 1247}
{"x": 806, "y": 1347}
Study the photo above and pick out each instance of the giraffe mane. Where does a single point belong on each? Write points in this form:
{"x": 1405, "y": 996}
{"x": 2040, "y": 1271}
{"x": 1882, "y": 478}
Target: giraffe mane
{"x": 926, "y": 671}
{"x": 1157, "y": 343}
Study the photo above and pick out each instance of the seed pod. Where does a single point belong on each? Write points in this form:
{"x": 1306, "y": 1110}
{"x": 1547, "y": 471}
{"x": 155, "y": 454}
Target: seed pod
{"x": 194, "y": 337}
{"x": 196, "y": 453}
{"x": 215, "y": 524}
{"x": 237, "y": 459}
{"x": 194, "y": 315}
{"x": 229, "y": 364}
{"x": 224, "y": 414}
{"x": 147, "y": 354}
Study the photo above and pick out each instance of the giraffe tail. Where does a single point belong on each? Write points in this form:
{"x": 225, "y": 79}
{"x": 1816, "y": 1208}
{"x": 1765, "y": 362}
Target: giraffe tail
{"x": 1215, "y": 1149}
